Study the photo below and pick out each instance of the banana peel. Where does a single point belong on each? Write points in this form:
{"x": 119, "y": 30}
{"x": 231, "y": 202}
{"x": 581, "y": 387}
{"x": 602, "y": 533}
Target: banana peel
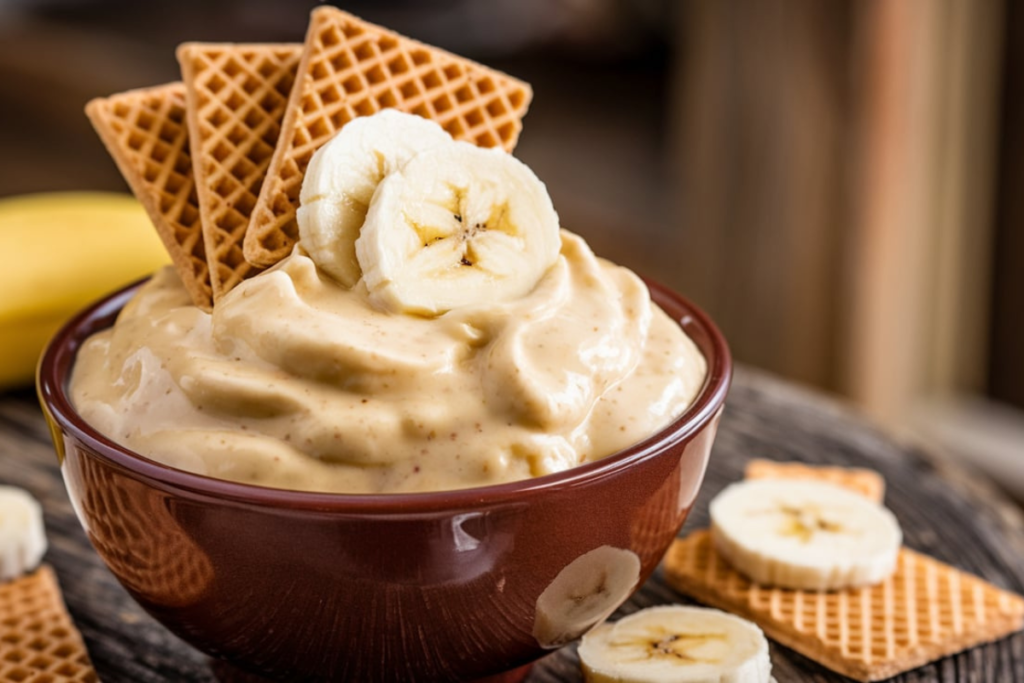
{"x": 62, "y": 251}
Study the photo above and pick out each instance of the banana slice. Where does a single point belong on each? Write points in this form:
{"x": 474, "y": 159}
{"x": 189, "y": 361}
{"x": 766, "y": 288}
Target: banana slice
{"x": 457, "y": 225}
{"x": 584, "y": 593}
{"x": 342, "y": 177}
{"x": 676, "y": 644}
{"x": 22, "y": 537}
{"x": 804, "y": 534}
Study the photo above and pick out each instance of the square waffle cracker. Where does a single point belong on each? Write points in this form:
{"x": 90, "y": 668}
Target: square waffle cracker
{"x": 865, "y": 482}
{"x": 38, "y": 641}
{"x": 351, "y": 68}
{"x": 146, "y": 134}
{"x": 924, "y": 611}
{"x": 236, "y": 97}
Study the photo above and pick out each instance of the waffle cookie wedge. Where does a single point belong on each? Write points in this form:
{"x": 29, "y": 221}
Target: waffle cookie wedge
{"x": 926, "y": 610}
{"x": 38, "y": 641}
{"x": 146, "y": 133}
{"x": 866, "y": 482}
{"x": 236, "y": 96}
{"x": 352, "y": 68}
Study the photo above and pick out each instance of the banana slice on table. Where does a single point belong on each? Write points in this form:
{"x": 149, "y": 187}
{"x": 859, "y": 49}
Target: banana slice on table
{"x": 457, "y": 225}
{"x": 22, "y": 536}
{"x": 342, "y": 177}
{"x": 804, "y": 534}
{"x": 676, "y": 644}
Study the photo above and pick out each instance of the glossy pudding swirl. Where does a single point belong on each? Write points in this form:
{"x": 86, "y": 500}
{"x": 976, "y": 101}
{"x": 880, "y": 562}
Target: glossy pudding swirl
{"x": 300, "y": 381}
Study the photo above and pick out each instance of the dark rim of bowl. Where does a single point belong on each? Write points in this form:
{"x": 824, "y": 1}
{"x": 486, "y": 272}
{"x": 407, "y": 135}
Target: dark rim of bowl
{"x": 54, "y": 374}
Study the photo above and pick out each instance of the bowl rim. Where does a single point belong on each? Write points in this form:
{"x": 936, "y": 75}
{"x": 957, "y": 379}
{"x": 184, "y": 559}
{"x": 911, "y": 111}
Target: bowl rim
{"x": 54, "y": 372}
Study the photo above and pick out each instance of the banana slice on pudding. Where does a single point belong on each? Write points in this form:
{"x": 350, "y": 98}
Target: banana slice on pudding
{"x": 343, "y": 175}
{"x": 22, "y": 536}
{"x": 804, "y": 534}
{"x": 676, "y": 644}
{"x": 457, "y": 225}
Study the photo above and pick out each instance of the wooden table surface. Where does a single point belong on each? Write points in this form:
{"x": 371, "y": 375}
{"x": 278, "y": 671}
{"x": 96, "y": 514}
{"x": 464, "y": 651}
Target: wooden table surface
{"x": 943, "y": 511}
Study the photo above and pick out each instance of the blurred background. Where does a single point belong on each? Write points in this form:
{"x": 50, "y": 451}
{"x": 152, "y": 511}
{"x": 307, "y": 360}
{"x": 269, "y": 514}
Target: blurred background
{"x": 838, "y": 183}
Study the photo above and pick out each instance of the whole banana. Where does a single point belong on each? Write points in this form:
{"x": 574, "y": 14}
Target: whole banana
{"x": 62, "y": 251}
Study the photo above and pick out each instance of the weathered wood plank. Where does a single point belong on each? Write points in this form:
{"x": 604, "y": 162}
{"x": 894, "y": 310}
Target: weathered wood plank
{"x": 944, "y": 512}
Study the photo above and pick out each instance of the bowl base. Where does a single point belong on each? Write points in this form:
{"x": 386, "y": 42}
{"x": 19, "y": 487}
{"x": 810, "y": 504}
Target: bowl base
{"x": 228, "y": 673}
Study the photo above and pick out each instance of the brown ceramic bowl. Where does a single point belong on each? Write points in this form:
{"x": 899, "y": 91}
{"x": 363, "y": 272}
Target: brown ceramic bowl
{"x": 302, "y": 586}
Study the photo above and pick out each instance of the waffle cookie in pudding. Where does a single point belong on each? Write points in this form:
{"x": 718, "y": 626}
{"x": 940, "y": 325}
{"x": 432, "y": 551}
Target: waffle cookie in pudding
{"x": 236, "y": 97}
{"x": 38, "y": 641}
{"x": 146, "y": 133}
{"x": 352, "y": 68}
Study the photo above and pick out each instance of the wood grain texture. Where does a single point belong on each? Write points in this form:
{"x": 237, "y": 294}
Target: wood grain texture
{"x": 944, "y": 512}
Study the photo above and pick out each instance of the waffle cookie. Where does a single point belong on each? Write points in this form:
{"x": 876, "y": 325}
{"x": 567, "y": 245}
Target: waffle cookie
{"x": 351, "y": 68}
{"x": 146, "y": 134}
{"x": 926, "y": 610}
{"x": 38, "y": 641}
{"x": 236, "y": 97}
{"x": 866, "y": 482}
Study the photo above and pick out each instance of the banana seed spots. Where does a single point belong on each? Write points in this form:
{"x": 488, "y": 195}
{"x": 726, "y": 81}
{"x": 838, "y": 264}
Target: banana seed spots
{"x": 600, "y": 589}
{"x": 498, "y": 220}
{"x": 428, "y": 234}
{"x": 453, "y": 204}
{"x": 456, "y": 202}
{"x": 470, "y": 257}
{"x": 675, "y": 646}
{"x": 462, "y": 227}
{"x": 803, "y": 522}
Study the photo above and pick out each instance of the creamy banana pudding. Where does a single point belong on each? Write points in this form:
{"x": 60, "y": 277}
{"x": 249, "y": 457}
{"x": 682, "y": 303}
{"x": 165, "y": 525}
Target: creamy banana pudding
{"x": 434, "y": 329}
